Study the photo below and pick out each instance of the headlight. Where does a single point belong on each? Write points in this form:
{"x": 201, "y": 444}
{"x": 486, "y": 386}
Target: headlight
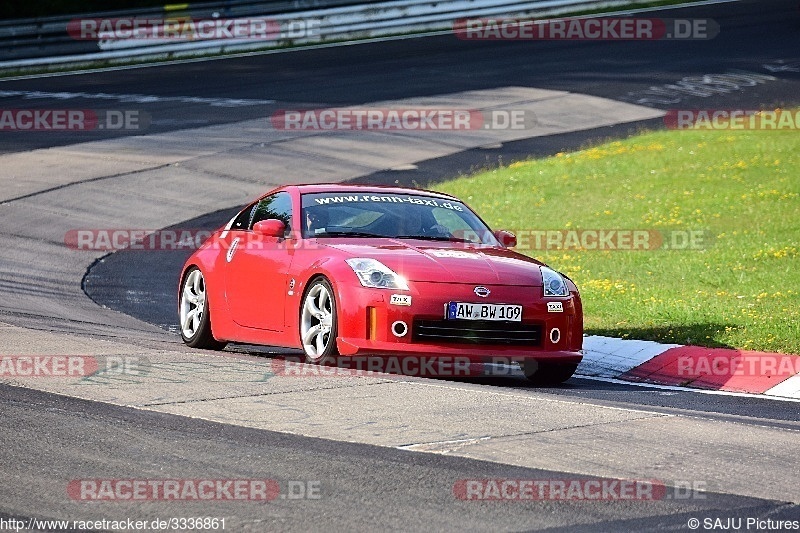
{"x": 372, "y": 273}
{"x": 554, "y": 284}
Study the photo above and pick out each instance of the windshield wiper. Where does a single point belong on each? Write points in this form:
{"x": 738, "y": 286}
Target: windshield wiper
{"x": 433, "y": 238}
{"x": 348, "y": 234}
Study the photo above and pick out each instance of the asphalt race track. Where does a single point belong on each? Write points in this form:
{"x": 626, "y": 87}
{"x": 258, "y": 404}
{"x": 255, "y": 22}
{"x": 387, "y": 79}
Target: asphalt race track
{"x": 385, "y": 452}
{"x": 358, "y": 479}
{"x": 757, "y": 37}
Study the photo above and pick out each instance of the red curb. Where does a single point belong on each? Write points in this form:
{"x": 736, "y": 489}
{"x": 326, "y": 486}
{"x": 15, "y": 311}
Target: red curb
{"x": 717, "y": 369}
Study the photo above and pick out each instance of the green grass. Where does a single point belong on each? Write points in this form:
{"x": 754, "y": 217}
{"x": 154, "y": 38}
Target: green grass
{"x": 742, "y": 290}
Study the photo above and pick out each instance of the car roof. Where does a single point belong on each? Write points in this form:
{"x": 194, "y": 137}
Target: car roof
{"x": 360, "y": 189}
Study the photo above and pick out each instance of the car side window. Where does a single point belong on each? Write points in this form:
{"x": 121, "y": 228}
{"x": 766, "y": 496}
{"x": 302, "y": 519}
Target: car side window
{"x": 243, "y": 219}
{"x": 277, "y": 206}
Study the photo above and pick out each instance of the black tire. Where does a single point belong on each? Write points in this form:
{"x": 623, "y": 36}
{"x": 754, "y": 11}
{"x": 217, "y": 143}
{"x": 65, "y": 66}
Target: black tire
{"x": 196, "y": 333}
{"x": 325, "y": 323}
{"x": 547, "y": 373}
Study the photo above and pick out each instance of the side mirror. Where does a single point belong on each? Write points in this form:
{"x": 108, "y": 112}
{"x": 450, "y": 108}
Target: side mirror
{"x": 506, "y": 238}
{"x": 270, "y": 228}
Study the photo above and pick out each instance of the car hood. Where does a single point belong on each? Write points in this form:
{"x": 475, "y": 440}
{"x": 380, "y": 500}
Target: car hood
{"x": 444, "y": 262}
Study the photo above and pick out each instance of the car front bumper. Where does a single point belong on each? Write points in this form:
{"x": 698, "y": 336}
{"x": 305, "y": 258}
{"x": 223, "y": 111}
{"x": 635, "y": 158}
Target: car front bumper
{"x": 368, "y": 321}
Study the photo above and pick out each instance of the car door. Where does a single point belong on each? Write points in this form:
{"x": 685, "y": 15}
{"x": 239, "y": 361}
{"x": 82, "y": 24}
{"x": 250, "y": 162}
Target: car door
{"x": 257, "y": 267}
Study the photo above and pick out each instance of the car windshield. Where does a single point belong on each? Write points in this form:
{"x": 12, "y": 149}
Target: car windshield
{"x": 399, "y": 216}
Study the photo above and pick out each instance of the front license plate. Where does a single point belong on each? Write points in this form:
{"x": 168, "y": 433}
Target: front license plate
{"x": 468, "y": 311}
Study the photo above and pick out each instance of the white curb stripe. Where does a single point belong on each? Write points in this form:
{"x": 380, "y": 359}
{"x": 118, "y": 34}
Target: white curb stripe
{"x": 609, "y": 357}
{"x": 789, "y": 388}
{"x": 676, "y": 388}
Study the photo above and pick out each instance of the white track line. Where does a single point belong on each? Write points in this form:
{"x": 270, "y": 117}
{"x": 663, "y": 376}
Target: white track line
{"x": 686, "y": 389}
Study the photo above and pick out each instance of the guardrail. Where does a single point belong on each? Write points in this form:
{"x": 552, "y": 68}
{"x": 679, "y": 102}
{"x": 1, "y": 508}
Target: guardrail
{"x": 46, "y": 42}
{"x": 47, "y": 36}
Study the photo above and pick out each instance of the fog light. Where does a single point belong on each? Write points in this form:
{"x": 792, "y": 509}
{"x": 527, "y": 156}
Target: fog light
{"x": 555, "y": 335}
{"x": 399, "y": 328}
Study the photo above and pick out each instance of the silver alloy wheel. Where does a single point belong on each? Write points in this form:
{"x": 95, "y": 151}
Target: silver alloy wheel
{"x": 316, "y": 321}
{"x": 193, "y": 304}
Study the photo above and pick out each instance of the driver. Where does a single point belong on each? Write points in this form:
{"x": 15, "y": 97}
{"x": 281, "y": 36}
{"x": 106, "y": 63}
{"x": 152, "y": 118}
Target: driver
{"x": 412, "y": 224}
{"x": 316, "y": 220}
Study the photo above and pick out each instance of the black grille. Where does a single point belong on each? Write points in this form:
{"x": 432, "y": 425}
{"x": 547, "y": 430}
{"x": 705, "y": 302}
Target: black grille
{"x": 477, "y": 332}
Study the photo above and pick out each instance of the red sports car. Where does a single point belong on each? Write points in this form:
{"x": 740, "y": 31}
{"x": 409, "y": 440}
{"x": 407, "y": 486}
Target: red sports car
{"x": 345, "y": 270}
